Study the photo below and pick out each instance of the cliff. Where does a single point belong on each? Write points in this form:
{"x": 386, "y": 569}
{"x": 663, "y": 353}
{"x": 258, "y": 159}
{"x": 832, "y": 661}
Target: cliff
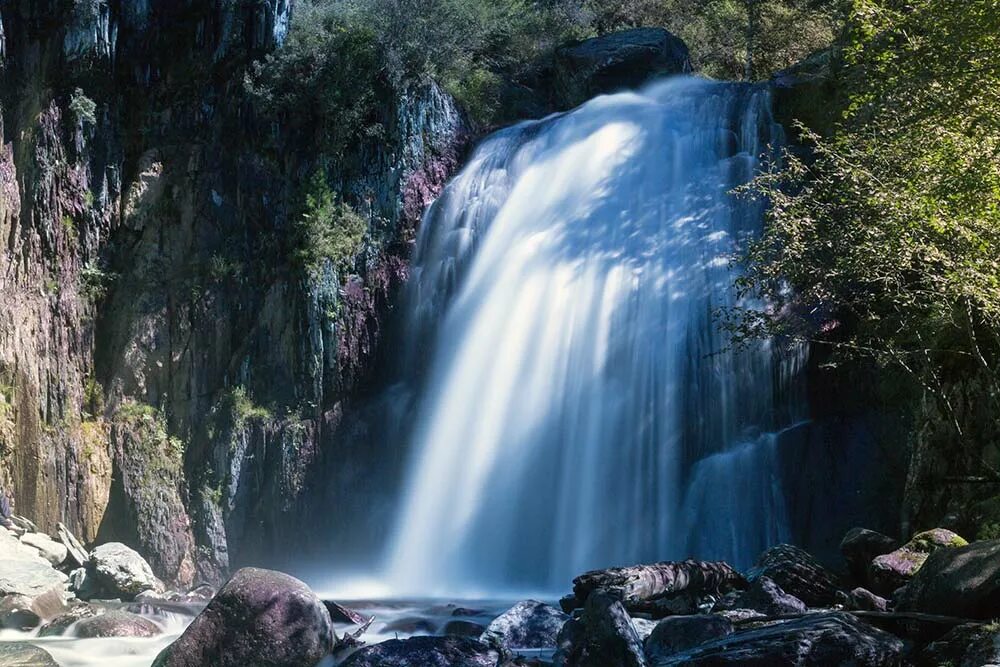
{"x": 169, "y": 374}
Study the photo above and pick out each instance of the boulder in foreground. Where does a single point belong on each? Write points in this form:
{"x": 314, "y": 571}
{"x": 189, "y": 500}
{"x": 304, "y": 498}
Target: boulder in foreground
{"x": 426, "y": 652}
{"x": 528, "y": 624}
{"x": 680, "y": 633}
{"x": 819, "y": 640}
{"x": 22, "y": 654}
{"x": 603, "y": 636}
{"x": 260, "y": 617}
{"x": 962, "y": 582}
{"x": 797, "y": 573}
{"x": 970, "y": 645}
{"x": 893, "y": 570}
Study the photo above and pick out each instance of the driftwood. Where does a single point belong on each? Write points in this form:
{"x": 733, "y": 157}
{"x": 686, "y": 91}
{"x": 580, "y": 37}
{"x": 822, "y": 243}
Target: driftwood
{"x": 950, "y": 621}
{"x": 652, "y": 588}
{"x": 352, "y": 639}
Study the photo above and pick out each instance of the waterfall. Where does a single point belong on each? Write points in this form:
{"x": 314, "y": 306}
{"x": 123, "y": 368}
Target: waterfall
{"x": 579, "y": 406}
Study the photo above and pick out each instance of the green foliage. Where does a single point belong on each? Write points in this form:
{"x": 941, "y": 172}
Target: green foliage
{"x": 95, "y": 282}
{"x": 895, "y": 224}
{"x": 93, "y": 398}
{"x": 732, "y": 39}
{"x": 82, "y": 107}
{"x": 244, "y": 409}
{"x": 327, "y": 230}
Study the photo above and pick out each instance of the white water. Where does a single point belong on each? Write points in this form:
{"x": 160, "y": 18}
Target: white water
{"x": 562, "y": 303}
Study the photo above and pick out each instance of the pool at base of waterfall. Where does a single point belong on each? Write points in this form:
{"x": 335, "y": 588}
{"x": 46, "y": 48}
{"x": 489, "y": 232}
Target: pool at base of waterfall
{"x": 394, "y": 619}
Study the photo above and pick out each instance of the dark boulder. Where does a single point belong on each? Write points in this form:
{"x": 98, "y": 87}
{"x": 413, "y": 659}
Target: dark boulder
{"x": 426, "y": 652}
{"x": 893, "y": 570}
{"x": 680, "y": 633}
{"x": 798, "y": 574}
{"x": 342, "y": 614}
{"x": 971, "y": 645}
{"x": 58, "y": 625}
{"x": 116, "y": 623}
{"x": 818, "y": 640}
{"x": 616, "y": 61}
{"x": 528, "y": 624}
{"x": 860, "y": 547}
{"x": 460, "y": 628}
{"x": 766, "y": 597}
{"x": 260, "y": 617}
{"x": 22, "y": 654}
{"x": 962, "y": 582}
{"x": 603, "y": 636}
{"x": 862, "y": 599}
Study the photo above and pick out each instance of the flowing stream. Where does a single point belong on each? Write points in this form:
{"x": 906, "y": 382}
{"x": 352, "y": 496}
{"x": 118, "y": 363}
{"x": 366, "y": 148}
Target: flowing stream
{"x": 578, "y": 405}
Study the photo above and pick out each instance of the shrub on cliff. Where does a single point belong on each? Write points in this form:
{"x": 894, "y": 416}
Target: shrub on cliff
{"x": 327, "y": 230}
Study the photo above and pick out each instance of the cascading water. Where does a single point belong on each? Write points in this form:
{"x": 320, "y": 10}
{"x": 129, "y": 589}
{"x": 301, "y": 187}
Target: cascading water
{"x": 563, "y": 307}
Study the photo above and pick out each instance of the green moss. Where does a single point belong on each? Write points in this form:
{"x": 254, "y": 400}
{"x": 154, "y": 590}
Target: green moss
{"x": 328, "y": 230}
{"x": 244, "y": 409}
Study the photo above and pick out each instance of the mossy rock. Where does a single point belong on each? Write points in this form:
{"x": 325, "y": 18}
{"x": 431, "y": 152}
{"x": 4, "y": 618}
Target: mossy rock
{"x": 931, "y": 540}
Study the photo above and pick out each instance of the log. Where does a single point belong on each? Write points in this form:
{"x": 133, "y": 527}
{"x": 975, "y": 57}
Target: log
{"x": 950, "y": 621}
{"x": 642, "y": 586}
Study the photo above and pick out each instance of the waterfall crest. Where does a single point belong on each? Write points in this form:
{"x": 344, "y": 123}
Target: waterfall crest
{"x": 579, "y": 406}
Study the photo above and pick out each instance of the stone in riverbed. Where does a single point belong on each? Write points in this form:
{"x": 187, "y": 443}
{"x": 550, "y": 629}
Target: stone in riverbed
{"x": 22, "y": 654}
{"x": 54, "y": 552}
{"x": 680, "y": 633}
{"x": 891, "y": 571}
{"x": 818, "y": 640}
{"x": 28, "y": 578}
{"x": 461, "y": 628}
{"x": 116, "y": 623}
{"x": 58, "y": 625}
{"x": 528, "y": 624}
{"x": 426, "y": 652}
{"x": 970, "y": 645}
{"x": 603, "y": 636}
{"x": 121, "y": 572}
{"x": 860, "y": 547}
{"x": 798, "y": 574}
{"x": 768, "y": 598}
{"x": 962, "y": 582}
{"x": 259, "y": 617}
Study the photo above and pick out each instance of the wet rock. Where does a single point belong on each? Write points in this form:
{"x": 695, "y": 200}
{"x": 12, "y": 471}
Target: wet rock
{"x": 528, "y": 624}
{"x": 766, "y": 597}
{"x": 740, "y": 615}
{"x": 411, "y": 626}
{"x": 603, "y": 636}
{"x": 861, "y": 546}
{"x": 116, "y": 623}
{"x": 84, "y": 584}
{"x": 818, "y": 640}
{"x": 893, "y": 570}
{"x": 962, "y": 581}
{"x": 16, "y": 614}
{"x": 464, "y": 629}
{"x": 679, "y": 633}
{"x": 862, "y": 599}
{"x": 971, "y": 645}
{"x": 260, "y": 617}
{"x": 54, "y": 552}
{"x": 617, "y": 61}
{"x": 798, "y": 574}
{"x": 342, "y": 614}
{"x": 121, "y": 572}
{"x": 58, "y": 625}
{"x": 426, "y": 652}
{"x": 643, "y": 627}
{"x": 22, "y": 654}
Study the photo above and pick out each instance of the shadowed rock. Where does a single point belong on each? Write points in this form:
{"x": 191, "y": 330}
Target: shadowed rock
{"x": 820, "y": 640}
{"x": 798, "y": 574}
{"x": 260, "y": 617}
{"x": 860, "y": 547}
{"x": 966, "y": 646}
{"x": 679, "y": 633}
{"x": 768, "y": 598}
{"x": 603, "y": 636}
{"x": 893, "y": 570}
{"x": 962, "y": 582}
{"x": 426, "y": 652}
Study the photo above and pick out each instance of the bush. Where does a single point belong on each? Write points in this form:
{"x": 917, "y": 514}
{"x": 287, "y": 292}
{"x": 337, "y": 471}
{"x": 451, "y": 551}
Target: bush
{"x": 328, "y": 229}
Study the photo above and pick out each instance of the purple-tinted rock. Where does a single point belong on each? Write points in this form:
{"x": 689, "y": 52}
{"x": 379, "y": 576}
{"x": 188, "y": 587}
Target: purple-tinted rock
{"x": 891, "y": 571}
{"x": 860, "y": 547}
{"x": 116, "y": 623}
{"x": 797, "y": 573}
{"x": 962, "y": 582}
{"x": 426, "y": 652}
{"x": 260, "y": 617}
{"x": 862, "y": 599}
{"x": 680, "y": 633}
{"x": 766, "y": 597}
{"x": 342, "y": 614}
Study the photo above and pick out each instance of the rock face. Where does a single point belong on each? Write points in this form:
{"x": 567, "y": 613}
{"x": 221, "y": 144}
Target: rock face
{"x": 121, "y": 572}
{"x": 891, "y": 571}
{"x": 965, "y": 646}
{"x": 426, "y": 652}
{"x": 680, "y": 633}
{"x": 21, "y": 654}
{"x": 528, "y": 624}
{"x": 797, "y": 573}
{"x": 603, "y": 636}
{"x": 260, "y": 617}
{"x": 120, "y": 362}
{"x": 860, "y": 547}
{"x": 814, "y": 641}
{"x": 961, "y": 581}
{"x": 617, "y": 61}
